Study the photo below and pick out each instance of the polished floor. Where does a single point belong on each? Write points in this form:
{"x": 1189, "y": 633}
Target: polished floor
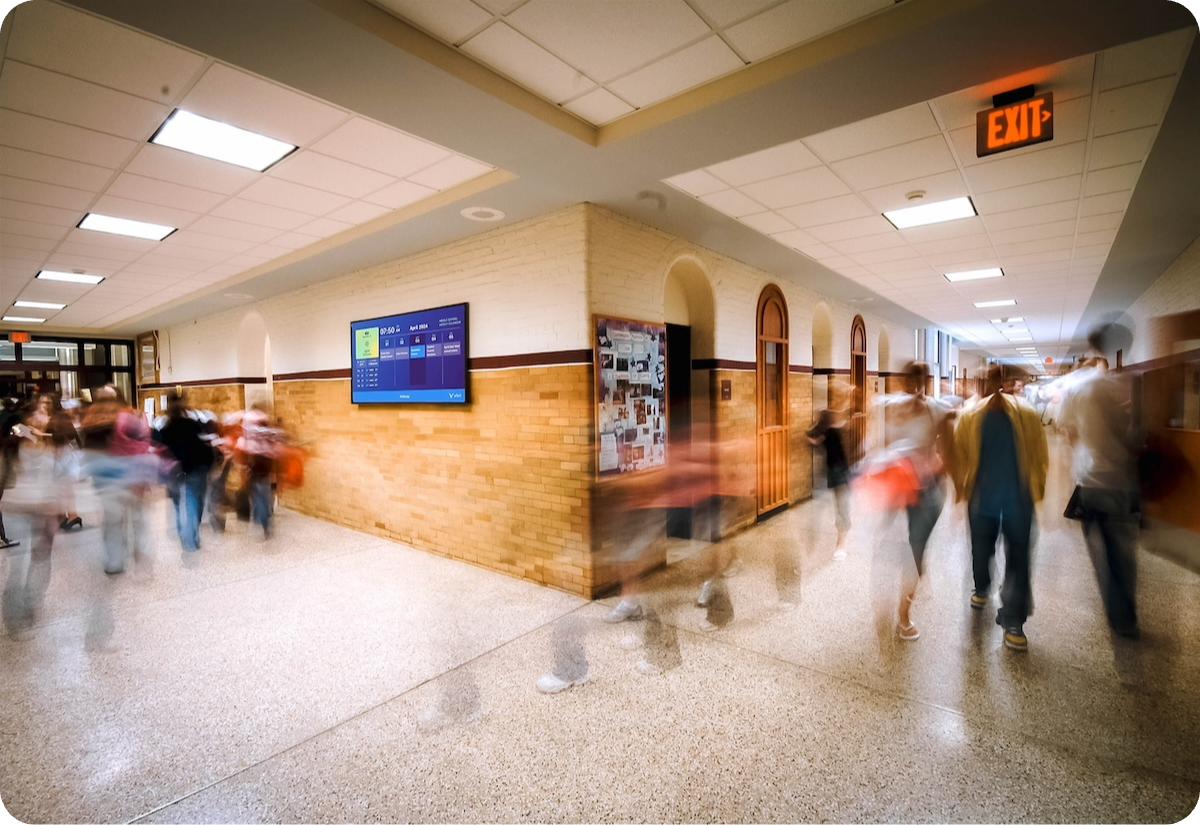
{"x": 330, "y": 676}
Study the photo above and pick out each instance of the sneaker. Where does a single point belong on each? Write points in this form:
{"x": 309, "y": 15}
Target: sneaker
{"x": 549, "y": 683}
{"x": 908, "y": 632}
{"x": 624, "y": 611}
{"x": 979, "y": 600}
{"x": 733, "y": 569}
{"x": 631, "y": 642}
{"x": 784, "y": 606}
{"x": 6, "y": 543}
{"x": 705, "y": 594}
{"x": 839, "y": 555}
{"x": 1014, "y": 638}
{"x": 648, "y": 669}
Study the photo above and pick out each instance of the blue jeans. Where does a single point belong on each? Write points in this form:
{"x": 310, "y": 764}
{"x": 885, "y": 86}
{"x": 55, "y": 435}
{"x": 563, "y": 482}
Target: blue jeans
{"x": 192, "y": 486}
{"x": 1015, "y": 522}
{"x": 922, "y": 517}
{"x": 1110, "y": 527}
{"x": 261, "y": 502}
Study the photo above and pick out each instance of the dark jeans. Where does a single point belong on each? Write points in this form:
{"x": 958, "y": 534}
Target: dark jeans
{"x": 1015, "y": 523}
{"x": 922, "y": 517}
{"x": 1110, "y": 527}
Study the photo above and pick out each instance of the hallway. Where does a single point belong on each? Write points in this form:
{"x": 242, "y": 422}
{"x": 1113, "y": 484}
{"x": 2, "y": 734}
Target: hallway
{"x": 331, "y": 676}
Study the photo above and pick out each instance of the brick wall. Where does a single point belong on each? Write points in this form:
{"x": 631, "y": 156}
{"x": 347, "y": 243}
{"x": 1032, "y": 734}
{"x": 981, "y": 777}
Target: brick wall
{"x": 800, "y": 457}
{"x": 1176, "y": 290}
{"x": 503, "y": 483}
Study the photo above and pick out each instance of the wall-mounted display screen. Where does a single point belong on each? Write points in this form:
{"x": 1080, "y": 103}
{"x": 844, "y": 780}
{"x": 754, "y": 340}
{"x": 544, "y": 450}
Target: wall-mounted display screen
{"x": 414, "y": 358}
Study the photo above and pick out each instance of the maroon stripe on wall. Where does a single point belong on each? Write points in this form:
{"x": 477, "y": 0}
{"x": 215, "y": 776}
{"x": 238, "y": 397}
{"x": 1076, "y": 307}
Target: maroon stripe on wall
{"x": 800, "y": 368}
{"x": 829, "y": 371}
{"x": 530, "y": 359}
{"x": 1165, "y": 361}
{"x": 722, "y": 364}
{"x": 207, "y": 382}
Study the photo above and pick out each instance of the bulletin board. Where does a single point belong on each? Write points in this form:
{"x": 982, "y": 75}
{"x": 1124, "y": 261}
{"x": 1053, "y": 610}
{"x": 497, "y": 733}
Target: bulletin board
{"x": 631, "y": 396}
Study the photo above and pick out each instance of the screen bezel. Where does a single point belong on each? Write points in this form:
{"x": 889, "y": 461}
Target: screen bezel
{"x": 466, "y": 389}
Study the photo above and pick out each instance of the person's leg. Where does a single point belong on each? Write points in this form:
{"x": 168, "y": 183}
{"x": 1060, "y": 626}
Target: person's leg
{"x": 984, "y": 531}
{"x": 922, "y": 517}
{"x": 1016, "y": 594}
{"x": 191, "y": 505}
{"x": 1111, "y": 530}
{"x": 37, "y": 581}
{"x": 841, "y": 503}
{"x": 260, "y": 504}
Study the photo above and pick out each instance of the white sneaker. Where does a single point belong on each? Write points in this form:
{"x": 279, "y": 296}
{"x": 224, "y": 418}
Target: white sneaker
{"x": 733, "y": 569}
{"x": 549, "y": 683}
{"x": 785, "y": 606}
{"x": 631, "y": 642}
{"x": 624, "y": 611}
{"x": 648, "y": 669}
{"x": 839, "y": 555}
{"x": 707, "y": 626}
{"x": 705, "y": 594}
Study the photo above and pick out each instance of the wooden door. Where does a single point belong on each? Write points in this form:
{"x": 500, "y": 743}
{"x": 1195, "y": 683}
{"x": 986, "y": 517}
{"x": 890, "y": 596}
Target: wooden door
{"x": 772, "y": 415}
{"x": 858, "y": 377}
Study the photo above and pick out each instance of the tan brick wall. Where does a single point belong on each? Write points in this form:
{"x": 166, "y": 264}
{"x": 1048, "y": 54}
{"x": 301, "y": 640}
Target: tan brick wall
{"x": 220, "y": 398}
{"x": 504, "y": 483}
{"x": 800, "y": 458}
{"x": 734, "y": 429}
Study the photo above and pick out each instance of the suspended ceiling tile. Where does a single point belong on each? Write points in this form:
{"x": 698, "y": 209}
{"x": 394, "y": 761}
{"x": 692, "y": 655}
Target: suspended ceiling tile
{"x": 1068, "y": 80}
{"x": 448, "y": 20}
{"x": 240, "y": 99}
{"x": 1008, "y": 171}
{"x": 359, "y": 212}
{"x": 62, "y": 140}
{"x": 598, "y": 106}
{"x": 685, "y": 69}
{"x": 733, "y": 202}
{"x": 795, "y": 22}
{"x": 448, "y": 173}
{"x": 269, "y": 251}
{"x": 163, "y": 193}
{"x": 1100, "y": 236}
{"x": 1102, "y": 204}
{"x": 45, "y": 194}
{"x": 875, "y": 134}
{"x": 330, "y": 174}
{"x": 1070, "y": 126}
{"x": 1121, "y": 148}
{"x": 965, "y": 242}
{"x": 939, "y": 187}
{"x": 1094, "y": 223}
{"x": 377, "y": 147}
{"x": 515, "y": 55}
{"x": 1131, "y": 107}
{"x": 186, "y": 169}
{"x": 69, "y": 100}
{"x": 798, "y": 238}
{"x": 1055, "y": 257}
{"x": 294, "y": 196}
{"x": 30, "y": 242}
{"x": 203, "y": 257}
{"x": 105, "y": 254}
{"x": 237, "y": 230}
{"x": 927, "y": 156}
{"x": 768, "y": 223}
{"x": 1143, "y": 60}
{"x": 400, "y": 194}
{"x": 201, "y": 240}
{"x": 60, "y": 171}
{"x": 796, "y": 188}
{"x": 962, "y": 261}
{"x": 697, "y": 183}
{"x": 880, "y": 261}
{"x": 170, "y": 262}
{"x": 80, "y": 45}
{"x": 1033, "y": 194}
{"x": 261, "y": 214}
{"x": 118, "y": 207}
{"x": 857, "y": 228}
{"x": 1040, "y": 245}
{"x": 1046, "y": 213}
{"x": 20, "y": 210}
{"x": 1113, "y": 179}
{"x": 832, "y": 210}
{"x": 608, "y": 38}
{"x": 943, "y": 231}
{"x": 1035, "y": 232}
{"x": 869, "y": 243}
{"x": 36, "y": 229}
{"x": 768, "y": 163}
{"x": 324, "y": 227}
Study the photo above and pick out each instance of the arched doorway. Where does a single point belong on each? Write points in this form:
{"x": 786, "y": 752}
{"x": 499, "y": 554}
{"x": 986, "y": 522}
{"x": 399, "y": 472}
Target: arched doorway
{"x": 254, "y": 360}
{"x": 772, "y": 373}
{"x": 858, "y": 377}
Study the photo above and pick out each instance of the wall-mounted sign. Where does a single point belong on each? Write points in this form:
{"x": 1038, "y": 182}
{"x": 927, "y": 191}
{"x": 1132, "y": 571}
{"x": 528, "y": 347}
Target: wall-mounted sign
{"x": 19, "y": 337}
{"x": 1015, "y": 125}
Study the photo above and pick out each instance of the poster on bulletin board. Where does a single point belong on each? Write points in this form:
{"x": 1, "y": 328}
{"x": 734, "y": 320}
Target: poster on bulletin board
{"x": 631, "y": 395}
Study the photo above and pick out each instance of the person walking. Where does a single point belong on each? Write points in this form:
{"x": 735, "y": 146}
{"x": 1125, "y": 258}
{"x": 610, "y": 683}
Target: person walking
{"x": 183, "y": 438}
{"x": 829, "y": 431}
{"x": 1003, "y": 459}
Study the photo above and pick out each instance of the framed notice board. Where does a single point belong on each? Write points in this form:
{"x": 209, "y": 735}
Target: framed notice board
{"x": 631, "y": 395}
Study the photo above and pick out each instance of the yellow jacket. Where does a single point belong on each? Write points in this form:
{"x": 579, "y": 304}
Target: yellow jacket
{"x": 1033, "y": 457}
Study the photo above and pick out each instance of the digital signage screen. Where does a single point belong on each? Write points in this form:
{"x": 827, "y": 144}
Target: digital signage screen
{"x": 414, "y": 358}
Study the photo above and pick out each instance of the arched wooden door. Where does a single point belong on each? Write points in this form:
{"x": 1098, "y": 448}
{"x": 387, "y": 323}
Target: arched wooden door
{"x": 858, "y": 376}
{"x": 772, "y": 424}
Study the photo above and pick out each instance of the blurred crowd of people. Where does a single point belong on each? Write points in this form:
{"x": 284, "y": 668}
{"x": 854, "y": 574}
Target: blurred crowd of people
{"x": 53, "y": 449}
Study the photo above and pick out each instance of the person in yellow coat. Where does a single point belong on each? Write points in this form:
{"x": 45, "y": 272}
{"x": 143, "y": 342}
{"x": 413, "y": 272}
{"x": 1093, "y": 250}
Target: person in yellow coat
{"x": 1003, "y": 460}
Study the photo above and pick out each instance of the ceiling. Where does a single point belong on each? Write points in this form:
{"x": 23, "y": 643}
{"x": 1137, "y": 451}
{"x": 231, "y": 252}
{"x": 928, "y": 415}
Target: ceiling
{"x": 773, "y": 131}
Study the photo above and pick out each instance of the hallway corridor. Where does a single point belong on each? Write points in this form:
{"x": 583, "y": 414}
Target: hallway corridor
{"x": 327, "y": 675}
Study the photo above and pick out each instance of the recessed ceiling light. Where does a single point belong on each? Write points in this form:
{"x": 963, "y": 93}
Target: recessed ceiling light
{"x": 70, "y": 277}
{"x": 1017, "y": 338}
{"x": 37, "y": 305}
{"x": 124, "y": 226}
{"x": 481, "y": 213}
{"x": 220, "y": 141}
{"x": 1007, "y": 302}
{"x": 21, "y": 319}
{"x": 928, "y": 213}
{"x": 975, "y": 275}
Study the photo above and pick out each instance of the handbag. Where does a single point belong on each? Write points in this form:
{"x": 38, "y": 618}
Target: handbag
{"x": 1074, "y": 505}
{"x": 891, "y": 485}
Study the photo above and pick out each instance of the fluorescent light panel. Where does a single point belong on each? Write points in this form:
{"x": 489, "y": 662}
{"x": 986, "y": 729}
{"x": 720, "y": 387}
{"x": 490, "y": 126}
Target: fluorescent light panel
{"x": 37, "y": 305}
{"x": 1007, "y": 302}
{"x": 70, "y": 277}
{"x": 928, "y": 213}
{"x": 21, "y": 319}
{"x": 974, "y": 275}
{"x": 124, "y": 226}
{"x": 220, "y": 141}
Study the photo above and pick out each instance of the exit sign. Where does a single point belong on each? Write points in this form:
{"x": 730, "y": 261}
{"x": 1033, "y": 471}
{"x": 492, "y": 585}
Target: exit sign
{"x": 1015, "y": 125}
{"x": 19, "y": 337}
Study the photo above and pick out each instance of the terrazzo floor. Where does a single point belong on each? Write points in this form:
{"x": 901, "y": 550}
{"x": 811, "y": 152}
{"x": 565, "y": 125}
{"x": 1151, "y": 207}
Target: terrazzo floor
{"x": 327, "y": 675}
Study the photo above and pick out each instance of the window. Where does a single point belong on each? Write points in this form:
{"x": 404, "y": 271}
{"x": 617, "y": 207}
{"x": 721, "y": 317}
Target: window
{"x": 147, "y": 345}
{"x": 94, "y": 355}
{"x": 120, "y": 355}
{"x": 56, "y": 352}
{"x": 123, "y": 382}
{"x": 8, "y": 351}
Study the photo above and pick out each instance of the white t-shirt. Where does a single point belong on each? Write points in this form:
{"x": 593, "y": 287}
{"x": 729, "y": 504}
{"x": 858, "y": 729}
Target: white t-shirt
{"x": 1097, "y": 406}
{"x": 911, "y": 425}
